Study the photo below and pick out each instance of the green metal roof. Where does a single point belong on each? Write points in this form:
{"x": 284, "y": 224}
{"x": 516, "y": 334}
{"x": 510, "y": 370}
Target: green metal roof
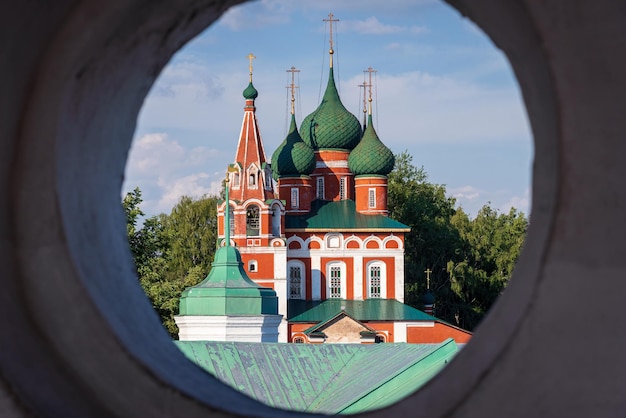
{"x": 361, "y": 310}
{"x": 227, "y": 289}
{"x": 293, "y": 156}
{"x": 331, "y": 125}
{"x": 340, "y": 215}
{"x": 371, "y": 156}
{"x": 321, "y": 378}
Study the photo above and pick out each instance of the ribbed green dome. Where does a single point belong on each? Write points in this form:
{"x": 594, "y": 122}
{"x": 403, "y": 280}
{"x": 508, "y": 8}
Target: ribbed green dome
{"x": 250, "y": 92}
{"x": 293, "y": 156}
{"x": 331, "y": 125}
{"x": 371, "y": 156}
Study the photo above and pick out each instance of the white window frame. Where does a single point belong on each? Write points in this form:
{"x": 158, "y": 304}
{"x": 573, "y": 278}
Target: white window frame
{"x": 267, "y": 174}
{"x": 253, "y": 177}
{"x": 231, "y": 219}
{"x": 343, "y": 188}
{"x": 253, "y": 266}
{"x": 236, "y": 180}
{"x": 333, "y": 268}
{"x": 276, "y": 222}
{"x": 258, "y": 220}
{"x": 300, "y": 266}
{"x": 295, "y": 197}
{"x": 382, "y": 267}
{"x": 372, "y": 198}
{"x": 320, "y": 192}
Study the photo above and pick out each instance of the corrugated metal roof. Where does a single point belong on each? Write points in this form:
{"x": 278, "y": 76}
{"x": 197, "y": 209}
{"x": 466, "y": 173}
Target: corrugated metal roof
{"x": 341, "y": 215}
{"x": 323, "y": 378}
{"x": 361, "y": 310}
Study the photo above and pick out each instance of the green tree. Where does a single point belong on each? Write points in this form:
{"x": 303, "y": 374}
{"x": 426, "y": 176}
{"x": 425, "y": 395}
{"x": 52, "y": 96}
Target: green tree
{"x": 471, "y": 260}
{"x": 172, "y": 252}
{"x": 491, "y": 245}
{"x": 432, "y": 240}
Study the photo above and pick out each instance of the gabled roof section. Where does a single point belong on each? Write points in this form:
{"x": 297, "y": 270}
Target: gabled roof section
{"x": 361, "y": 310}
{"x": 321, "y": 378}
{"x": 340, "y": 215}
{"x": 322, "y": 325}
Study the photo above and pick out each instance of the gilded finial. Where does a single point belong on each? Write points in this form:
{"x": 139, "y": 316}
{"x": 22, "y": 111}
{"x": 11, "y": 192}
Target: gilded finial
{"x": 293, "y": 88}
{"x": 251, "y": 57}
{"x": 331, "y": 20}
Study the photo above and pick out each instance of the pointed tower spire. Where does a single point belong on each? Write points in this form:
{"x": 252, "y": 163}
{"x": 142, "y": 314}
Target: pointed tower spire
{"x": 252, "y": 178}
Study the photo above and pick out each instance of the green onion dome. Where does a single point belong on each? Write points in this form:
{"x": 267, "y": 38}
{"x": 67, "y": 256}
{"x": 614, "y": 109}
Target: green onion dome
{"x": 331, "y": 125}
{"x": 371, "y": 156}
{"x": 428, "y": 298}
{"x": 293, "y": 156}
{"x": 250, "y": 93}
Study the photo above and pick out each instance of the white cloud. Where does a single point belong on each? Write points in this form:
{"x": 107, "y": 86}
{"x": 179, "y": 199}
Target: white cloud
{"x": 371, "y": 26}
{"x": 465, "y": 192}
{"x": 194, "y": 185}
{"x": 521, "y": 203}
{"x": 165, "y": 170}
{"x": 417, "y": 107}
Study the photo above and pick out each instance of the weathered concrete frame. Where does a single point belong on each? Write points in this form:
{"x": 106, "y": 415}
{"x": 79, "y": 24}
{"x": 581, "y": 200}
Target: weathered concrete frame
{"x": 79, "y": 337}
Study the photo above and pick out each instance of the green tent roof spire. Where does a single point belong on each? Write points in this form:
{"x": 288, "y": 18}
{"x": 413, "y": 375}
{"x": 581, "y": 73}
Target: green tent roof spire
{"x": 227, "y": 289}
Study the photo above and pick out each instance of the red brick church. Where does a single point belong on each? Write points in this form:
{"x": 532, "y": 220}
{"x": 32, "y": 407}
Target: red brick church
{"x": 312, "y": 223}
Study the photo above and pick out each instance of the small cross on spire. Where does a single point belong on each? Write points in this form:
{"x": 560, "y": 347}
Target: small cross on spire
{"x": 293, "y": 88}
{"x": 428, "y": 271}
{"x": 370, "y": 70}
{"x": 331, "y": 20}
{"x": 364, "y": 86}
{"x": 251, "y": 57}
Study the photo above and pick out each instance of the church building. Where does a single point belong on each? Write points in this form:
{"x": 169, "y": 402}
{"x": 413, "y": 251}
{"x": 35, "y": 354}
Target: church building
{"x": 312, "y": 224}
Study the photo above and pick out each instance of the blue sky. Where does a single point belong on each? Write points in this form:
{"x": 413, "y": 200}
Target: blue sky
{"x": 442, "y": 92}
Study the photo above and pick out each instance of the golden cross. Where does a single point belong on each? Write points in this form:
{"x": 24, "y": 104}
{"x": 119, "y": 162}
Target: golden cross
{"x": 364, "y": 85}
{"x": 293, "y": 87}
{"x": 331, "y": 20}
{"x": 370, "y": 70}
{"x": 428, "y": 271}
{"x": 251, "y": 57}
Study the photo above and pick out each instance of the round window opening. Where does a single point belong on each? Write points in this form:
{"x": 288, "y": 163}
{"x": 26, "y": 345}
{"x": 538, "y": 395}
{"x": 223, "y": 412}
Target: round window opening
{"x": 441, "y": 159}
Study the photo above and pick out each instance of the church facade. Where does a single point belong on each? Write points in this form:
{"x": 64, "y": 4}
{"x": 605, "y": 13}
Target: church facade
{"x": 312, "y": 223}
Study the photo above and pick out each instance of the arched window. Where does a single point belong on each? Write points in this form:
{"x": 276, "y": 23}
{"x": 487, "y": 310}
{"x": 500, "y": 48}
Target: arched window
{"x": 231, "y": 220}
{"x": 336, "y": 280}
{"x": 253, "y": 267}
{"x": 376, "y": 280}
{"x": 372, "y": 198}
{"x": 343, "y": 188}
{"x": 236, "y": 180}
{"x": 320, "y": 188}
{"x": 252, "y": 221}
{"x": 276, "y": 220}
{"x": 295, "y": 272}
{"x": 252, "y": 179}
{"x": 298, "y": 340}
